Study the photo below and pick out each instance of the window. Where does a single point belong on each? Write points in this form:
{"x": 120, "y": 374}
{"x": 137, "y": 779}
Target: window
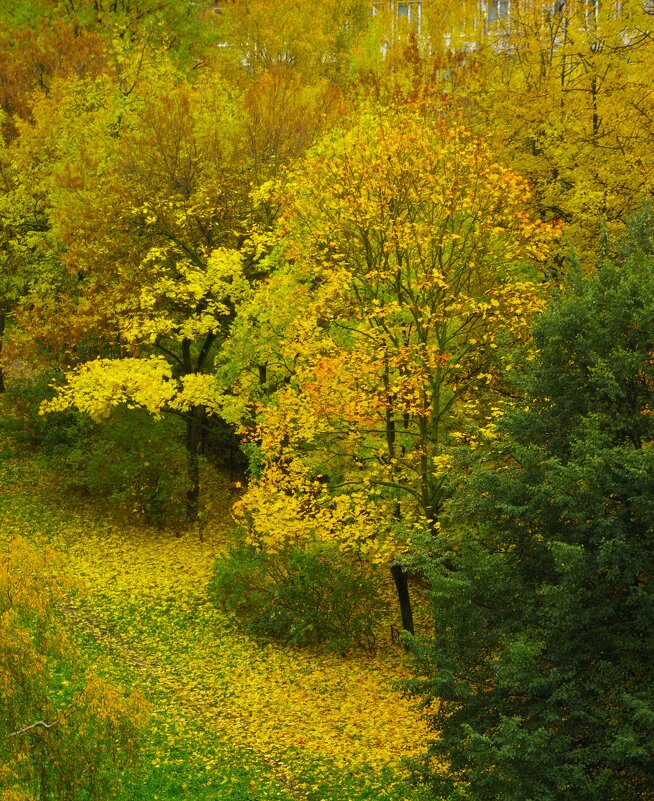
{"x": 410, "y": 10}
{"x": 497, "y": 10}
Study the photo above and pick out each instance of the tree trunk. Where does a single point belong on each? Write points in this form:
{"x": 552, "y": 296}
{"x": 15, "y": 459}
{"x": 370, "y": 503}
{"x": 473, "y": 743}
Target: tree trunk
{"x": 193, "y": 423}
{"x": 401, "y": 579}
{"x": 3, "y": 319}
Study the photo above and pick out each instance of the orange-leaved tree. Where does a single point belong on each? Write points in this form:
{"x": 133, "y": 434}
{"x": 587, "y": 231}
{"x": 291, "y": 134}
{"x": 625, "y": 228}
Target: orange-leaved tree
{"x": 412, "y": 268}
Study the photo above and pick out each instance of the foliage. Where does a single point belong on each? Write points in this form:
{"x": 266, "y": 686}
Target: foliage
{"x": 560, "y": 91}
{"x": 412, "y": 266}
{"x": 175, "y": 25}
{"x": 312, "y": 38}
{"x": 312, "y": 595}
{"x": 64, "y": 733}
{"x": 147, "y": 221}
{"x": 307, "y": 209}
{"x": 230, "y": 715}
{"x": 135, "y": 461}
{"x": 543, "y": 648}
{"x": 22, "y": 422}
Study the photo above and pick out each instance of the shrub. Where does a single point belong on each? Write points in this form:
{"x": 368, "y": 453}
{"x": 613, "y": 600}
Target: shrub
{"x": 307, "y": 596}
{"x": 136, "y": 462}
{"x": 49, "y": 433}
{"x": 64, "y": 732}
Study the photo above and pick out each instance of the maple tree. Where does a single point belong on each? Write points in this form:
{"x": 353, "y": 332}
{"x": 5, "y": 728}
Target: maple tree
{"x": 143, "y": 228}
{"x": 175, "y": 24}
{"x": 407, "y": 269}
{"x": 12, "y": 281}
{"x": 284, "y": 113}
{"x": 583, "y": 88}
{"x": 33, "y": 55}
{"x": 154, "y": 226}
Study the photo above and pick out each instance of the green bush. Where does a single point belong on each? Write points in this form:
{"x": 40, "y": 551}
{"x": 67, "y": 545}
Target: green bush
{"x": 133, "y": 460}
{"x": 47, "y": 433}
{"x": 136, "y": 462}
{"x": 306, "y": 596}
{"x": 65, "y": 733}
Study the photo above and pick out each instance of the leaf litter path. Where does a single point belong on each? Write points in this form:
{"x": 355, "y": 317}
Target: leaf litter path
{"x": 308, "y": 719}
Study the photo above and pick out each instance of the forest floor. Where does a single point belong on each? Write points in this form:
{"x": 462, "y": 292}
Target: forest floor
{"x": 232, "y": 718}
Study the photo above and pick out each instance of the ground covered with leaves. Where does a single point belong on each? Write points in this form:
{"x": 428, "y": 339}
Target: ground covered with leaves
{"x": 232, "y": 717}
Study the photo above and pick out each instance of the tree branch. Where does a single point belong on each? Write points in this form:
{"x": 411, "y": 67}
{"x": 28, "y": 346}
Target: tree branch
{"x": 39, "y": 723}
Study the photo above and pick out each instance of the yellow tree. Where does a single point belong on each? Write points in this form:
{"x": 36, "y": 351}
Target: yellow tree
{"x": 145, "y": 217}
{"x": 562, "y": 92}
{"x": 33, "y": 55}
{"x": 314, "y": 38}
{"x": 412, "y": 269}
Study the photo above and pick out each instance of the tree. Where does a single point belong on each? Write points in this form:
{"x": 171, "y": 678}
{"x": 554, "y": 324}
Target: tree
{"x": 313, "y": 38}
{"x": 64, "y": 732}
{"x": 32, "y": 58}
{"x": 145, "y": 224}
{"x": 562, "y": 93}
{"x": 411, "y": 263}
{"x": 540, "y": 670}
{"x": 32, "y": 55}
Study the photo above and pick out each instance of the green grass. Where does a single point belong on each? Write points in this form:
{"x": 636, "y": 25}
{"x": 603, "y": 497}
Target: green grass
{"x": 184, "y": 756}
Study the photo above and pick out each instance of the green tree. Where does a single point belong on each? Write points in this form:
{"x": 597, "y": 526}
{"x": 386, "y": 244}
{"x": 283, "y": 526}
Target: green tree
{"x": 542, "y": 656}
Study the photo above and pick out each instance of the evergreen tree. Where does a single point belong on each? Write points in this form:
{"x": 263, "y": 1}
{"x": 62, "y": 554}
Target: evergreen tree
{"x": 543, "y": 650}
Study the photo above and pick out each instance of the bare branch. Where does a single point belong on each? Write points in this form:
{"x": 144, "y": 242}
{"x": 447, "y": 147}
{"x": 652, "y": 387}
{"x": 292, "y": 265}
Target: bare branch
{"x": 39, "y": 724}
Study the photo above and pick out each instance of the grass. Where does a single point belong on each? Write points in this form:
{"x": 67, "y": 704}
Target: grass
{"x": 232, "y": 718}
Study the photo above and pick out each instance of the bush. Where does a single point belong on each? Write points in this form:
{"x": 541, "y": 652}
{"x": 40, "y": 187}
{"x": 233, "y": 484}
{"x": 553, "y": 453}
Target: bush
{"x": 136, "y": 462}
{"x": 306, "y": 596}
{"x": 47, "y": 433}
{"x": 133, "y": 460}
{"x": 65, "y": 733}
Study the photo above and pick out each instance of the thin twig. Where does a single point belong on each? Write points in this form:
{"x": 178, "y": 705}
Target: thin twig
{"x": 40, "y": 723}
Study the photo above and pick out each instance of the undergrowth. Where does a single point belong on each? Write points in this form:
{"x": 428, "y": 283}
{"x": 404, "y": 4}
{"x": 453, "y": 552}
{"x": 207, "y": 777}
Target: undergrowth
{"x": 232, "y": 718}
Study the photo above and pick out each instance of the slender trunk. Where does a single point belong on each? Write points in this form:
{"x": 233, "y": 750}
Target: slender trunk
{"x": 399, "y": 576}
{"x": 3, "y": 320}
{"x": 401, "y": 579}
{"x": 594, "y": 90}
{"x": 193, "y": 466}
{"x": 193, "y": 424}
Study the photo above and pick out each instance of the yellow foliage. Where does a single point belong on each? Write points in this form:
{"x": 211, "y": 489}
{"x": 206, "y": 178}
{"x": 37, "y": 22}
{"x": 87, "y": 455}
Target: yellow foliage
{"x": 413, "y": 262}
{"x": 143, "y": 601}
{"x": 99, "y": 386}
{"x": 43, "y": 687}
